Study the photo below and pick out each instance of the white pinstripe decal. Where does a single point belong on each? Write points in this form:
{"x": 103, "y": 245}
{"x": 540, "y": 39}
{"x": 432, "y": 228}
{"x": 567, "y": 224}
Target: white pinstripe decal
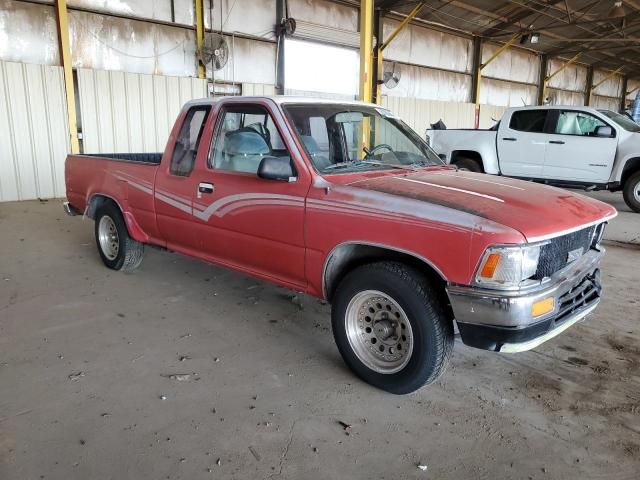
{"x": 478, "y": 180}
{"x": 495, "y": 199}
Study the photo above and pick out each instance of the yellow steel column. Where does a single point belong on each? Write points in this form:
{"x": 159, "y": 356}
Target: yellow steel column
{"x": 510, "y": 42}
{"x": 62, "y": 24}
{"x": 200, "y": 36}
{"x": 366, "y": 50}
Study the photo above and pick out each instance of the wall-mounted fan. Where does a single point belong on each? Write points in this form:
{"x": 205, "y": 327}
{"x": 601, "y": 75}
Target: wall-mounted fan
{"x": 214, "y": 51}
{"x": 391, "y": 74}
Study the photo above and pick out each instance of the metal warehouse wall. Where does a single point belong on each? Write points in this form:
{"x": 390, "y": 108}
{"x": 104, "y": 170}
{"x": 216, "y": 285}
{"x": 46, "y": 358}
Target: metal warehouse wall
{"x": 419, "y": 114}
{"x": 33, "y": 122}
{"x": 129, "y": 112}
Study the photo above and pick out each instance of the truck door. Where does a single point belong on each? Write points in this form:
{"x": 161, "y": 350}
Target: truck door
{"x": 576, "y": 151}
{"x": 522, "y": 143}
{"x": 175, "y": 181}
{"x": 245, "y": 221}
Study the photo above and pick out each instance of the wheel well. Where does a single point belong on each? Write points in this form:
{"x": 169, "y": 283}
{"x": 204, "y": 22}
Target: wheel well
{"x": 632, "y": 166}
{"x": 96, "y": 202}
{"x": 347, "y": 257}
{"x": 458, "y": 154}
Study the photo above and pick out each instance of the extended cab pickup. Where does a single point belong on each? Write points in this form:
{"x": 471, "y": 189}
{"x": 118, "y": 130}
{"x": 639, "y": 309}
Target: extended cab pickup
{"x": 577, "y": 147}
{"x": 343, "y": 201}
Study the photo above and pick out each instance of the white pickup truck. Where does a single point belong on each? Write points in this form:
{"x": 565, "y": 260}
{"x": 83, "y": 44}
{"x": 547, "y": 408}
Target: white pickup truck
{"x": 576, "y": 147}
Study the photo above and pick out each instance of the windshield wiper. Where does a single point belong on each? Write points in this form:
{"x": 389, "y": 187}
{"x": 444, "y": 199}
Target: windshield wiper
{"x": 356, "y": 163}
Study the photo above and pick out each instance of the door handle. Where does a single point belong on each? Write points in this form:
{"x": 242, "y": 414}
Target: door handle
{"x": 510, "y": 139}
{"x": 205, "y": 187}
{"x": 556, "y": 142}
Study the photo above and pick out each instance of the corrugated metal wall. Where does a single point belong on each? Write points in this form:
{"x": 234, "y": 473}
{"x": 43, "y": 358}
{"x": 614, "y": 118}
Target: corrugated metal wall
{"x": 34, "y": 127}
{"x": 419, "y": 114}
{"x": 129, "y": 112}
{"x": 567, "y": 87}
{"x": 607, "y": 95}
{"x": 258, "y": 89}
{"x": 510, "y": 80}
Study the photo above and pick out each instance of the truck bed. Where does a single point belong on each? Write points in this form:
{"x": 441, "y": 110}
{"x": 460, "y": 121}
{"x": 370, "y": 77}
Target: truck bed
{"x": 151, "y": 158}
{"x": 119, "y": 175}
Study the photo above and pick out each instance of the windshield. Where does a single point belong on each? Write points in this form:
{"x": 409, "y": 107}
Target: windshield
{"x": 341, "y": 138}
{"x": 622, "y": 120}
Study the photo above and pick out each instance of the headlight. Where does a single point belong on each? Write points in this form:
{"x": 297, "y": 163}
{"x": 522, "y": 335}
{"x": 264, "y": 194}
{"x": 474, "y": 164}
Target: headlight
{"x": 507, "y": 267}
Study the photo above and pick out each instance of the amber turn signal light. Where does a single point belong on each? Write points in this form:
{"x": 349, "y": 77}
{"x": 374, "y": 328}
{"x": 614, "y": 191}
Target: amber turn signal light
{"x": 542, "y": 306}
{"x": 490, "y": 265}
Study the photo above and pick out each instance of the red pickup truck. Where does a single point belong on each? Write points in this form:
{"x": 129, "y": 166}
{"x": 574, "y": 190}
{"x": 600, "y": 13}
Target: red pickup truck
{"x": 343, "y": 201}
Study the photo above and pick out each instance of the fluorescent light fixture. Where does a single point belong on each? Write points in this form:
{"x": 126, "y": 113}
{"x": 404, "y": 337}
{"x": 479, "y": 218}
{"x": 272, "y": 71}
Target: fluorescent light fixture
{"x": 617, "y": 10}
{"x": 532, "y": 38}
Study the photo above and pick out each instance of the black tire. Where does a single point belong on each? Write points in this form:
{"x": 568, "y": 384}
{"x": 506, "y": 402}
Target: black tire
{"x": 470, "y": 164}
{"x": 432, "y": 329}
{"x": 631, "y": 192}
{"x": 129, "y": 252}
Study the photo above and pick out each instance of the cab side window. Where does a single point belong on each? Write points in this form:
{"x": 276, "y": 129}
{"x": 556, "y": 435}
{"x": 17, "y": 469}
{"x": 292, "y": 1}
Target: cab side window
{"x": 577, "y": 123}
{"x": 246, "y": 134}
{"x": 528, "y": 121}
{"x": 186, "y": 147}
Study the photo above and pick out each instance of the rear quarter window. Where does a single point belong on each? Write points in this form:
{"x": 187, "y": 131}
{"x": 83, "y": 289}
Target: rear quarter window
{"x": 528, "y": 120}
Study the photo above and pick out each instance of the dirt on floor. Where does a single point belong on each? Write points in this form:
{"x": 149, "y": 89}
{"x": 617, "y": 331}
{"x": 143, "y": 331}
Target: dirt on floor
{"x": 186, "y": 370}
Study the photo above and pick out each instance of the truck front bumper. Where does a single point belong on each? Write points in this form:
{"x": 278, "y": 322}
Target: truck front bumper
{"x": 502, "y": 320}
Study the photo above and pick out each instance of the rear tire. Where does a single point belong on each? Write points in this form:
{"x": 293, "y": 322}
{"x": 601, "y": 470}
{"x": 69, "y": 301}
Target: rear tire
{"x": 468, "y": 164}
{"x": 631, "y": 192}
{"x": 391, "y": 328}
{"x": 117, "y": 249}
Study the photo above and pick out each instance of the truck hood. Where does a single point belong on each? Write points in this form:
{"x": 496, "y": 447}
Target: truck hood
{"x": 537, "y": 211}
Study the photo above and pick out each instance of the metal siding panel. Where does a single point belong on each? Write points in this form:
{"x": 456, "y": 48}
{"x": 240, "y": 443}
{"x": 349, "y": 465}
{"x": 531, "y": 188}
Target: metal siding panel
{"x": 88, "y": 110}
{"x": 200, "y": 87}
{"x": 8, "y": 170}
{"x": 18, "y": 101}
{"x": 103, "y": 98}
{"x": 248, "y": 89}
{"x": 185, "y": 90}
{"x": 609, "y": 88}
{"x": 35, "y": 141}
{"x": 488, "y": 113}
{"x": 174, "y": 104}
{"x": 119, "y": 114}
{"x": 147, "y": 101}
{"x": 134, "y": 113}
{"x": 419, "y": 113}
{"x": 160, "y": 110}
{"x": 38, "y": 128}
{"x": 131, "y": 112}
{"x": 58, "y": 126}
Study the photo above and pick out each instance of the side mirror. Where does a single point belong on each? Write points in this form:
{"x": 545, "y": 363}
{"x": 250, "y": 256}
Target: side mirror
{"x": 604, "y": 131}
{"x": 276, "y": 168}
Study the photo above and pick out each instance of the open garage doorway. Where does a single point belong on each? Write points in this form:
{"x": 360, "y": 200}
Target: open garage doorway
{"x": 316, "y": 69}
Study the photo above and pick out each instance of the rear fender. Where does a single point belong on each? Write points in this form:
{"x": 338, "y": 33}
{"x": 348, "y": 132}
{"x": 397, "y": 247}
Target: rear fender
{"x": 135, "y": 231}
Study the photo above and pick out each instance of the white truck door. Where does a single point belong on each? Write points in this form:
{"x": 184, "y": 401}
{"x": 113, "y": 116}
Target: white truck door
{"x": 522, "y": 143}
{"x": 576, "y": 151}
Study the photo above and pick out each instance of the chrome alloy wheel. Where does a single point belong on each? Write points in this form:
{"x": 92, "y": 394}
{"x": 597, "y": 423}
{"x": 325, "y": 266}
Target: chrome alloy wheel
{"x": 636, "y": 192}
{"x": 379, "y": 331}
{"x": 108, "y": 237}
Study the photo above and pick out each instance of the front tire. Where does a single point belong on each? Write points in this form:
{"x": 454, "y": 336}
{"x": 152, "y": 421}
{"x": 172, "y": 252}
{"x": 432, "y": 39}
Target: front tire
{"x": 117, "y": 249}
{"x": 391, "y": 328}
{"x": 631, "y": 192}
{"x": 468, "y": 164}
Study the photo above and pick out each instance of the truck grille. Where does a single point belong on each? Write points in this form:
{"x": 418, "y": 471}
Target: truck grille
{"x": 583, "y": 294}
{"x": 554, "y": 255}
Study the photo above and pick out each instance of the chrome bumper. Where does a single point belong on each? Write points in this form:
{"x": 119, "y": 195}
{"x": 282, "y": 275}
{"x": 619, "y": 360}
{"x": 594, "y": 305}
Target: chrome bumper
{"x": 502, "y": 320}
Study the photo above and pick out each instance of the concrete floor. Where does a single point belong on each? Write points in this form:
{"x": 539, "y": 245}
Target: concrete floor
{"x": 87, "y": 354}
